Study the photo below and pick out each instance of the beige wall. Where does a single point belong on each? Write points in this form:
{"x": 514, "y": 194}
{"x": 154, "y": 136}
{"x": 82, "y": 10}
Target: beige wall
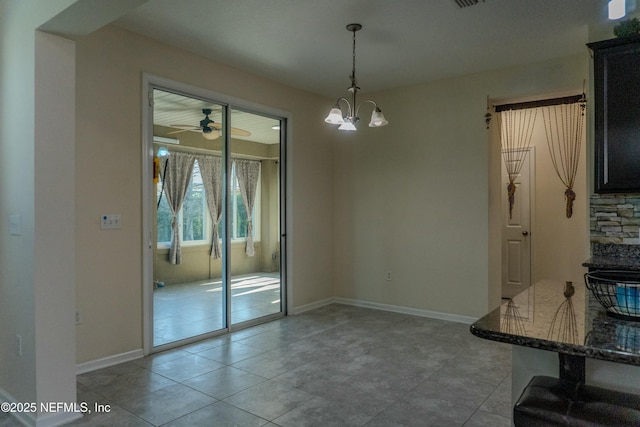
{"x": 36, "y": 265}
{"x": 110, "y": 64}
{"x": 17, "y": 101}
{"x": 414, "y": 197}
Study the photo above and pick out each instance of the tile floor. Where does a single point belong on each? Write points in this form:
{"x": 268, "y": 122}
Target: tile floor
{"x": 335, "y": 366}
{"x": 190, "y": 309}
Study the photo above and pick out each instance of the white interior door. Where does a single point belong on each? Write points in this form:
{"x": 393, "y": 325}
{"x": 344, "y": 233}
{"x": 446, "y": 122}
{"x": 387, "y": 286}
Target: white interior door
{"x": 516, "y": 230}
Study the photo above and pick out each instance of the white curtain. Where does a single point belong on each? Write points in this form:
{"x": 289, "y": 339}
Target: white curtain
{"x": 211, "y": 171}
{"x": 248, "y": 172}
{"x": 177, "y": 177}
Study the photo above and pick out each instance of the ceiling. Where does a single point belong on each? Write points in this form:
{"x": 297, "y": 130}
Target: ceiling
{"x": 304, "y": 43}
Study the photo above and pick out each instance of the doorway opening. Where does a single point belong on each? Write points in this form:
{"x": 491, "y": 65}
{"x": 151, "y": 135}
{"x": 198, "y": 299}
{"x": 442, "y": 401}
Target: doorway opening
{"x": 558, "y": 244}
{"x": 216, "y": 250}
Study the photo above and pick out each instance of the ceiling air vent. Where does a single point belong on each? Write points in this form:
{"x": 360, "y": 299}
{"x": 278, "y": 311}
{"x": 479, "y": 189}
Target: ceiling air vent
{"x": 466, "y": 3}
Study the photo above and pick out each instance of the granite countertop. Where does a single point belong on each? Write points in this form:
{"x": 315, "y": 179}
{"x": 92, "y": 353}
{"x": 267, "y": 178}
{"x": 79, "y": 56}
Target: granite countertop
{"x": 610, "y": 256}
{"x": 611, "y": 262}
{"x": 549, "y": 316}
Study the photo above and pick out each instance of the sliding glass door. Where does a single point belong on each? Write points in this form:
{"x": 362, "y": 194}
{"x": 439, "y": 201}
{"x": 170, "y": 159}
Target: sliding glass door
{"x": 217, "y": 217}
{"x": 254, "y": 209}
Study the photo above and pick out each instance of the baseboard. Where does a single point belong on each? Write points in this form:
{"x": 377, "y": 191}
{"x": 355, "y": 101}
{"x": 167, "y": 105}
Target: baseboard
{"x": 407, "y": 310}
{"x": 312, "y": 306}
{"x": 105, "y": 362}
{"x": 29, "y": 419}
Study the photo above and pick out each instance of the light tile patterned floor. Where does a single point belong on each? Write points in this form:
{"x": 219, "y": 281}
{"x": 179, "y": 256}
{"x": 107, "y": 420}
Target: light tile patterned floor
{"x": 190, "y": 309}
{"x": 334, "y": 366}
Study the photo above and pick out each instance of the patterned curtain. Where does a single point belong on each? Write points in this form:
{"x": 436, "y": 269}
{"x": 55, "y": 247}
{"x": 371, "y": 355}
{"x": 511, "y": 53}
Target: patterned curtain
{"x": 248, "y": 172}
{"x": 211, "y": 171}
{"x": 177, "y": 177}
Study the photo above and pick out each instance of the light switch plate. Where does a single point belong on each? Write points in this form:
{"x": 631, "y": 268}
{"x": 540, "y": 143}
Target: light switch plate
{"x": 15, "y": 228}
{"x": 110, "y": 222}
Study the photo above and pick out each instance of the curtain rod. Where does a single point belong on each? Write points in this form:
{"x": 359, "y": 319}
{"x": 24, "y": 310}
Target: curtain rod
{"x": 541, "y": 103}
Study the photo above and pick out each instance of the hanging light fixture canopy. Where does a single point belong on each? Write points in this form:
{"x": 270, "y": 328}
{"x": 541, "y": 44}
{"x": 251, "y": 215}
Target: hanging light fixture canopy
{"x": 348, "y": 121}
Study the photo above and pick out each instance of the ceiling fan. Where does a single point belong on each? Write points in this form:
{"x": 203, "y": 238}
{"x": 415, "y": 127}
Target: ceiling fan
{"x": 209, "y": 128}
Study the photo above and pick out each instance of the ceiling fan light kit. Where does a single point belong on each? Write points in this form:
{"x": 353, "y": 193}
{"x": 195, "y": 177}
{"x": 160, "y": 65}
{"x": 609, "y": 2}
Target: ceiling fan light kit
{"x": 209, "y": 128}
{"x": 348, "y": 122}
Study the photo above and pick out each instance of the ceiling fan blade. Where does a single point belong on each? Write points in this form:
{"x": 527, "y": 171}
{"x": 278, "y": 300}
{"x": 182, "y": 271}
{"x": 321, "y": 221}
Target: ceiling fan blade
{"x": 240, "y": 132}
{"x": 190, "y": 127}
{"x": 211, "y": 136}
{"x": 179, "y": 131}
{"x": 234, "y": 131}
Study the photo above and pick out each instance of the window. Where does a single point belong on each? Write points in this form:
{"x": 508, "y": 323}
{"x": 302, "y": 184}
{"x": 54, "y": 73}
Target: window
{"x": 194, "y": 216}
{"x": 196, "y": 225}
{"x": 238, "y": 227}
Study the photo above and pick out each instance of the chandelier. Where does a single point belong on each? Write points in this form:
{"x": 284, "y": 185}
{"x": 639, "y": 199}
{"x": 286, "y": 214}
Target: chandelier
{"x": 348, "y": 121}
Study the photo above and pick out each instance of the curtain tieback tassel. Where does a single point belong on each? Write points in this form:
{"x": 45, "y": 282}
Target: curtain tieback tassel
{"x": 511, "y": 192}
{"x": 570, "y": 196}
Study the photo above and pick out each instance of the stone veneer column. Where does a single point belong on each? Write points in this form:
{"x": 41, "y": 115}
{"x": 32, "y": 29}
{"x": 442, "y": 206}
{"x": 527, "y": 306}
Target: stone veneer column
{"x": 615, "y": 218}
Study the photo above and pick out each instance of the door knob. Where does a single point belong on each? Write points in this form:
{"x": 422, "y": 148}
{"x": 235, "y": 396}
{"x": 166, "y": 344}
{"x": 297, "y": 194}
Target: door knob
{"x": 525, "y": 233}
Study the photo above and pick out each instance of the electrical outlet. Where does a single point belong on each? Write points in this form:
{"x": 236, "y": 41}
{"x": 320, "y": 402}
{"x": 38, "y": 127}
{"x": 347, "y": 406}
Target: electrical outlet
{"x": 78, "y": 317}
{"x": 388, "y": 276}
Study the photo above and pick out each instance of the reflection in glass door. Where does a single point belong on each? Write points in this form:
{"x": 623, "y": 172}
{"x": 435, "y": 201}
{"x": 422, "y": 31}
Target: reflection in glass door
{"x": 216, "y": 249}
{"x": 254, "y": 217}
{"x": 189, "y": 293}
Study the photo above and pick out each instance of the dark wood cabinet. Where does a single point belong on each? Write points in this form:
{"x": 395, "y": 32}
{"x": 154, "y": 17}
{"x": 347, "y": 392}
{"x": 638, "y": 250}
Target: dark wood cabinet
{"x": 617, "y": 115}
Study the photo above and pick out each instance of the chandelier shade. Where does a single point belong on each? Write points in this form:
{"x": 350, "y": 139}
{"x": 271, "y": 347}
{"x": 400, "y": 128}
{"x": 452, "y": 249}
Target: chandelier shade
{"x": 347, "y": 126}
{"x": 377, "y": 119}
{"x": 335, "y": 116}
{"x": 348, "y": 121}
